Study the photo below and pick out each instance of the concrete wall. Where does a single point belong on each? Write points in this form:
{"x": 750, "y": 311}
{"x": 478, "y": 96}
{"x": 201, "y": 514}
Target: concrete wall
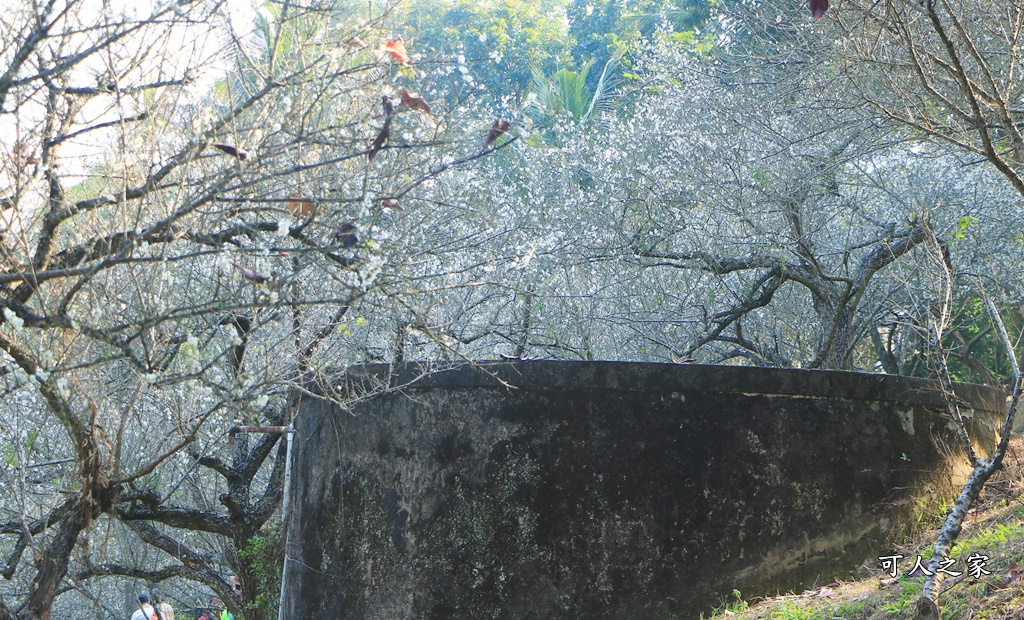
{"x": 601, "y": 489}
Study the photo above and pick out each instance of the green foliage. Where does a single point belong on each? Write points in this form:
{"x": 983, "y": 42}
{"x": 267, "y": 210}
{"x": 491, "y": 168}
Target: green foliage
{"x": 1001, "y": 536}
{"x": 960, "y": 231}
{"x": 618, "y": 29}
{"x": 9, "y": 451}
{"x": 282, "y": 42}
{"x": 264, "y": 556}
{"x": 729, "y": 607}
{"x": 595, "y": 27}
{"x": 793, "y": 611}
{"x": 763, "y": 178}
{"x": 563, "y": 91}
{"x": 908, "y": 590}
{"x": 974, "y": 330}
{"x": 500, "y": 41}
{"x": 566, "y": 95}
{"x": 682, "y": 15}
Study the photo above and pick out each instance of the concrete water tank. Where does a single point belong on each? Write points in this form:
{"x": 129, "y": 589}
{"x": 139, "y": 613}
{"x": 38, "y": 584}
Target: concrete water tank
{"x": 603, "y": 489}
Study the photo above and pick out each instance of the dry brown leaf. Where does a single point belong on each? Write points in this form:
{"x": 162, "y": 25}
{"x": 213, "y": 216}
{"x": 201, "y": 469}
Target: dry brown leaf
{"x": 413, "y": 101}
{"x": 231, "y": 150}
{"x": 382, "y": 137}
{"x": 498, "y": 127}
{"x": 1015, "y": 574}
{"x": 299, "y": 208}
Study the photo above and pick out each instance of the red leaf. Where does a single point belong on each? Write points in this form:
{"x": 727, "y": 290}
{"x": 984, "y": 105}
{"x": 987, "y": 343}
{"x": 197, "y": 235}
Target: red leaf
{"x": 818, "y": 8}
{"x": 396, "y": 47}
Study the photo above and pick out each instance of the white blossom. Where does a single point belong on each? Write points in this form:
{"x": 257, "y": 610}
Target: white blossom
{"x": 224, "y": 261}
{"x": 13, "y": 319}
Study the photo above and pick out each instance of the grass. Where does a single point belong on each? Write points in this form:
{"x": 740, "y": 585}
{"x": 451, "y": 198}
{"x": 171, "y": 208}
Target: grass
{"x": 994, "y": 527}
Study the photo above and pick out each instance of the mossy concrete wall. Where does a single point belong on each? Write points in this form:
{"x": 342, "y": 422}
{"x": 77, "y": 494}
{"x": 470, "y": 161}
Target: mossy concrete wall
{"x": 601, "y": 490}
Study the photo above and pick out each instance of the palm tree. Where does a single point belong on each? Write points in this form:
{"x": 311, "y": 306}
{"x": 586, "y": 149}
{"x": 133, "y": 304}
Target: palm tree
{"x": 565, "y": 93}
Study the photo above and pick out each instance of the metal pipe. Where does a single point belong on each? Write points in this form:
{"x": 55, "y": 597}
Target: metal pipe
{"x": 284, "y": 517}
{"x": 234, "y": 430}
{"x": 288, "y": 432}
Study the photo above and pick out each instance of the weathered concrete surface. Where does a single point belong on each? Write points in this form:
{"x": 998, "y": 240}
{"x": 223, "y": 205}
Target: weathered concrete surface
{"x": 599, "y": 489}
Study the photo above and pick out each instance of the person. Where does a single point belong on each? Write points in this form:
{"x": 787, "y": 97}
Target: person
{"x": 145, "y": 610}
{"x": 166, "y": 611}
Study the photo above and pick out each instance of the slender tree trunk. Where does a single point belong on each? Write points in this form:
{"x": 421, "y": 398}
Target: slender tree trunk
{"x": 983, "y": 469}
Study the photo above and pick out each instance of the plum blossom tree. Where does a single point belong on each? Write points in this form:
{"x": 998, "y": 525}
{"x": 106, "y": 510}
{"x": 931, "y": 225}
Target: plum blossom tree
{"x": 948, "y": 71}
{"x": 727, "y": 215}
{"x": 170, "y": 267}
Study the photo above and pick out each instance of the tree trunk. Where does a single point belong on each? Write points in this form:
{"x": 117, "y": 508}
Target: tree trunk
{"x": 52, "y": 565}
{"x": 250, "y": 590}
{"x": 840, "y": 355}
{"x": 836, "y": 316}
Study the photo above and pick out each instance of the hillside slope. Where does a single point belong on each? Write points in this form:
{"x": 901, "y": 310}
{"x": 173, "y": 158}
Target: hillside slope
{"x": 987, "y": 588}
